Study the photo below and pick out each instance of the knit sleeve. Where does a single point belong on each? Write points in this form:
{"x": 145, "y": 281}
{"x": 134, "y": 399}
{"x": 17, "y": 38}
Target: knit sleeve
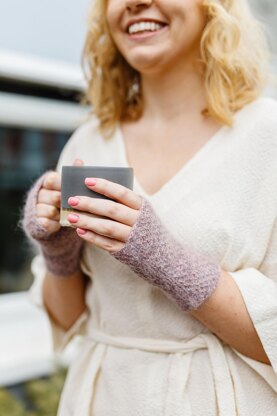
{"x": 259, "y": 291}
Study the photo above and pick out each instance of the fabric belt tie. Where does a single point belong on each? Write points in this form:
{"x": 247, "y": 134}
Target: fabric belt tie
{"x": 181, "y": 353}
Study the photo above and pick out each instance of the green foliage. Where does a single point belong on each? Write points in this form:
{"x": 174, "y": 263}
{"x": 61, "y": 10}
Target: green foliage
{"x": 42, "y": 396}
{"x": 9, "y": 406}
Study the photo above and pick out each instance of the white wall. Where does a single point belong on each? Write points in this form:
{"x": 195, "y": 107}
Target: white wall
{"x": 53, "y": 29}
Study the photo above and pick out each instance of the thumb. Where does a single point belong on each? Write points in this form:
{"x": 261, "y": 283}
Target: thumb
{"x": 78, "y": 162}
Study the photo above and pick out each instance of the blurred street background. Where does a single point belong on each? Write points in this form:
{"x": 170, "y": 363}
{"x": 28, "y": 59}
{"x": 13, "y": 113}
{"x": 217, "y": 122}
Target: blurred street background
{"x": 41, "y": 83}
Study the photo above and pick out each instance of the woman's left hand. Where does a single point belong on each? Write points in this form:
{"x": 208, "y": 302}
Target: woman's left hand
{"x": 109, "y": 233}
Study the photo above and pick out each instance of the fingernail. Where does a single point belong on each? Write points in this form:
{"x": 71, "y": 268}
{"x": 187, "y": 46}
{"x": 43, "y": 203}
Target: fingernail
{"x": 73, "y": 200}
{"x": 73, "y": 218}
{"x": 90, "y": 181}
{"x": 78, "y": 162}
{"x": 81, "y": 231}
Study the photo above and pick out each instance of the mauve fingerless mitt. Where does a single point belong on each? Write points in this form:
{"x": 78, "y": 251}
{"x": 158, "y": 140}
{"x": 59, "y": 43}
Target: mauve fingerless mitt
{"x": 61, "y": 250}
{"x": 188, "y": 277}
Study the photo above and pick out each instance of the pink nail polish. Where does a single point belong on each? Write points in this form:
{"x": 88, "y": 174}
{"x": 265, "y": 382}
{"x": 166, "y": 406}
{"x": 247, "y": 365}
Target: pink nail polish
{"x": 73, "y": 200}
{"x": 90, "y": 181}
{"x": 81, "y": 231}
{"x": 73, "y": 218}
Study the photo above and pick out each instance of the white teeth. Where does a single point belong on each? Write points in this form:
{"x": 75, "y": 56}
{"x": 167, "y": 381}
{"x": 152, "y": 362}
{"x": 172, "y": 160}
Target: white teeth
{"x": 144, "y": 26}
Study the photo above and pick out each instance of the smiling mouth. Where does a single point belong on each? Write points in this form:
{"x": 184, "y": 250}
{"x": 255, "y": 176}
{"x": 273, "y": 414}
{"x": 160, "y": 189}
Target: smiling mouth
{"x": 144, "y": 25}
{"x": 146, "y": 32}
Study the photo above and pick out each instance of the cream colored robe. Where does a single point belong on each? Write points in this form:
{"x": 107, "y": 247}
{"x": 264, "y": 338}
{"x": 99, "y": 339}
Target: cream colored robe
{"x": 141, "y": 355}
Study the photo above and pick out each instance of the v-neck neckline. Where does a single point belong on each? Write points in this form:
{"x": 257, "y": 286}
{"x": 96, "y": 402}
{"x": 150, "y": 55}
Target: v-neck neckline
{"x": 198, "y": 155}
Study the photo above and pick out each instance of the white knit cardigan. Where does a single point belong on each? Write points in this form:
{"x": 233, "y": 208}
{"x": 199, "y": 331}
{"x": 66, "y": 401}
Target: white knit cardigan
{"x": 142, "y": 355}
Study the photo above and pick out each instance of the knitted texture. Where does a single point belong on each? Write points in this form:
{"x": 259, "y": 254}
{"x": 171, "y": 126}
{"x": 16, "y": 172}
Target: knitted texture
{"x": 61, "y": 250}
{"x": 151, "y": 251}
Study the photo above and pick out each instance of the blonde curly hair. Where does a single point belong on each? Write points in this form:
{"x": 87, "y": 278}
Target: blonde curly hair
{"x": 234, "y": 63}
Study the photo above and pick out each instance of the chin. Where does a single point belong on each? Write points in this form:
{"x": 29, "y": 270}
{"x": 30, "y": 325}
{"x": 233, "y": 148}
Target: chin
{"x": 146, "y": 64}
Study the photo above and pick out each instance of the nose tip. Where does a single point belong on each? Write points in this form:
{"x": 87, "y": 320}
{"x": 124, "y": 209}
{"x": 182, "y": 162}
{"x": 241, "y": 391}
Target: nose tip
{"x": 137, "y": 4}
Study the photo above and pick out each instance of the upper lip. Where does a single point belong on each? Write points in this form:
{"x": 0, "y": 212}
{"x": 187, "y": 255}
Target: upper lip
{"x": 142, "y": 19}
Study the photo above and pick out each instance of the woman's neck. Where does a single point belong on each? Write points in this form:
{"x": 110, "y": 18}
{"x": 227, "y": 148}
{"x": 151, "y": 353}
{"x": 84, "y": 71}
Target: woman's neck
{"x": 173, "y": 95}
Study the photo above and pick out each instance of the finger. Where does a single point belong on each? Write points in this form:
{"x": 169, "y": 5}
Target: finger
{"x": 107, "y": 228}
{"x": 45, "y": 196}
{"x": 115, "y": 191}
{"x": 49, "y": 225}
{"x": 48, "y": 211}
{"x": 100, "y": 241}
{"x": 105, "y": 208}
{"x": 78, "y": 162}
{"x": 52, "y": 181}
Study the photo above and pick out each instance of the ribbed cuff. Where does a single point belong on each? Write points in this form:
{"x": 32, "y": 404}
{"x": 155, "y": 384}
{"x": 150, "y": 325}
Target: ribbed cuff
{"x": 187, "y": 276}
{"x": 61, "y": 250}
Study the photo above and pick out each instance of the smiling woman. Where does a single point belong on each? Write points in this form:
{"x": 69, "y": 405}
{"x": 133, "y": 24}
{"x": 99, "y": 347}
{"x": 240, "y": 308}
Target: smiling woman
{"x": 228, "y": 32}
{"x": 173, "y": 283}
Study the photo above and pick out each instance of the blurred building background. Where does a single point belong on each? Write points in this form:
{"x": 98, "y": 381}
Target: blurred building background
{"x": 266, "y": 11}
{"x": 52, "y": 29}
{"x": 40, "y": 87}
{"x": 41, "y": 83}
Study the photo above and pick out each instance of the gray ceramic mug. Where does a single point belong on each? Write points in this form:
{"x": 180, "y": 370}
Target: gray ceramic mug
{"x": 73, "y": 178}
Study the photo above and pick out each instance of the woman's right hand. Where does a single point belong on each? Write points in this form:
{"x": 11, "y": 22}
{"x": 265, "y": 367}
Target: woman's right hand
{"x": 49, "y": 201}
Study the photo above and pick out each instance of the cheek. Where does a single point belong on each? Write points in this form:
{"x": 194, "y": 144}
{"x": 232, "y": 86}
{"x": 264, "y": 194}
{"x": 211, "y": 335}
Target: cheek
{"x": 110, "y": 20}
{"x": 113, "y": 14}
{"x": 114, "y": 19}
{"x": 191, "y": 24}
{"x": 200, "y": 15}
